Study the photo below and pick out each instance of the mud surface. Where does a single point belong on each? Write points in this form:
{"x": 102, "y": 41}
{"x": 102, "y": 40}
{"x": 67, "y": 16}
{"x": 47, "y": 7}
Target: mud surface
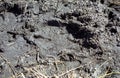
{"x": 60, "y": 38}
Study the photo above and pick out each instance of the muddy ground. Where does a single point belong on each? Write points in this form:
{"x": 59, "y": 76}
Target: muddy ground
{"x": 59, "y": 38}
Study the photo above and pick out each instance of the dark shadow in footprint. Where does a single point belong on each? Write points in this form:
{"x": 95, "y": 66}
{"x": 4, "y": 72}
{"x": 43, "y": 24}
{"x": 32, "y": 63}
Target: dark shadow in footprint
{"x": 87, "y": 44}
{"x": 79, "y": 32}
{"x": 53, "y": 23}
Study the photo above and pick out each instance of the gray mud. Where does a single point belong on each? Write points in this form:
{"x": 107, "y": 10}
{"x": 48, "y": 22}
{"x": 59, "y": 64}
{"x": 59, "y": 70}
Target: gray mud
{"x": 60, "y": 38}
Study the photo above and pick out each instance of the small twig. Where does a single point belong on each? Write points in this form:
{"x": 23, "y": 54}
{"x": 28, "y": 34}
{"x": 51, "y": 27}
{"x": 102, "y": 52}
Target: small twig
{"x": 70, "y": 71}
{"x": 21, "y": 75}
{"x": 115, "y": 2}
{"x": 36, "y": 71}
{"x": 55, "y": 62}
{"x": 8, "y": 63}
{"x": 37, "y": 56}
{"x": 55, "y": 13}
{"x": 105, "y": 75}
{"x": 102, "y": 64}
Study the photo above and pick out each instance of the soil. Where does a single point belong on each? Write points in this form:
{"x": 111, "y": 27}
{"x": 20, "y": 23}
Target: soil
{"x": 60, "y": 38}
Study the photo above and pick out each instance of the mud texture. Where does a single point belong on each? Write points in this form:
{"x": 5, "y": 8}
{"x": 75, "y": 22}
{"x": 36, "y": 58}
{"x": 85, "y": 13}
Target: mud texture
{"x": 60, "y": 38}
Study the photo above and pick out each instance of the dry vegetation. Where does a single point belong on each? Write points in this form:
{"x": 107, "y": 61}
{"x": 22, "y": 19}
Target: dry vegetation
{"x": 36, "y": 71}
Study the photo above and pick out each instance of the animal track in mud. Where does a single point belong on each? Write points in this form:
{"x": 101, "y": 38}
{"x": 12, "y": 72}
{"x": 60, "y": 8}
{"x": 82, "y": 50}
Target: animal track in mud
{"x": 79, "y": 32}
{"x": 75, "y": 28}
